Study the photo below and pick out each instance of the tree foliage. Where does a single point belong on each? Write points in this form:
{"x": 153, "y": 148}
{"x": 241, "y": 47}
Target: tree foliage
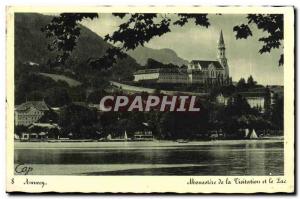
{"x": 270, "y": 23}
{"x": 78, "y": 122}
{"x": 57, "y": 97}
{"x": 140, "y": 28}
{"x": 277, "y": 112}
{"x": 243, "y": 85}
{"x": 65, "y": 30}
{"x": 251, "y": 82}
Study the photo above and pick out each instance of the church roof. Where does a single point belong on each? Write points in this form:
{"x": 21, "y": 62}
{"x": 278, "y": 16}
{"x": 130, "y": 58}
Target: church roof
{"x": 206, "y": 63}
{"x": 40, "y": 105}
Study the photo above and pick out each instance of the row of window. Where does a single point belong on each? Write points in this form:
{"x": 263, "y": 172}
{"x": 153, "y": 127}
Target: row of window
{"x": 218, "y": 74}
{"x": 32, "y": 113}
{"x": 28, "y": 116}
{"x": 178, "y": 77}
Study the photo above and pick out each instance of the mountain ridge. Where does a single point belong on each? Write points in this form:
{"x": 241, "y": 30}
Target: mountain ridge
{"x": 165, "y": 55}
{"x": 31, "y": 46}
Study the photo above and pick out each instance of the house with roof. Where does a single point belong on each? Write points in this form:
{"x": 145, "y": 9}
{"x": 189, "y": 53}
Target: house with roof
{"x": 198, "y": 71}
{"x": 162, "y": 75}
{"x": 29, "y": 112}
{"x": 254, "y": 99}
{"x": 39, "y": 131}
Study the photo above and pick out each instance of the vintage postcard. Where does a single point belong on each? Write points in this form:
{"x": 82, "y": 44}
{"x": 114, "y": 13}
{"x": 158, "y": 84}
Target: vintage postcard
{"x": 150, "y": 99}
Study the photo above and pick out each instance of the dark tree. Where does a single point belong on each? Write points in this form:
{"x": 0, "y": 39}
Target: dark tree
{"x": 54, "y": 133}
{"x": 270, "y": 23}
{"x": 236, "y": 115}
{"x": 277, "y": 112}
{"x": 137, "y": 30}
{"x": 31, "y": 87}
{"x": 35, "y": 96}
{"x": 65, "y": 30}
{"x": 267, "y": 103}
{"x": 57, "y": 97}
{"x": 20, "y": 129}
{"x": 140, "y": 28}
{"x": 239, "y": 106}
{"x": 184, "y": 66}
{"x": 251, "y": 82}
{"x": 95, "y": 96}
{"x": 78, "y": 122}
{"x": 49, "y": 117}
{"x": 241, "y": 84}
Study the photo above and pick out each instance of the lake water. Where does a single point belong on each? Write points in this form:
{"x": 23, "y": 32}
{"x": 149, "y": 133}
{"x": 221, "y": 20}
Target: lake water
{"x": 169, "y": 158}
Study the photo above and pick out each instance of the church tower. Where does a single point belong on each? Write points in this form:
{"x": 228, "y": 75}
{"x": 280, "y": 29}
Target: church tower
{"x": 221, "y": 54}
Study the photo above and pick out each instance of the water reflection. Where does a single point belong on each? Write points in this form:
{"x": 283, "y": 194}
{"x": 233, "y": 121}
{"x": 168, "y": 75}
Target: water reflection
{"x": 242, "y": 159}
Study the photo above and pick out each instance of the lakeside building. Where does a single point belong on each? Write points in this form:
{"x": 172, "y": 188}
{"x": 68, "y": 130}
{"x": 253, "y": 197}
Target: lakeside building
{"x": 143, "y": 136}
{"x": 198, "y": 71}
{"x": 29, "y": 112}
{"x": 41, "y": 134}
{"x": 254, "y": 99}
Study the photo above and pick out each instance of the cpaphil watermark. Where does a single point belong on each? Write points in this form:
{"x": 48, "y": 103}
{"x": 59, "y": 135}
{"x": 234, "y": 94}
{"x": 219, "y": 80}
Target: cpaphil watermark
{"x": 150, "y": 103}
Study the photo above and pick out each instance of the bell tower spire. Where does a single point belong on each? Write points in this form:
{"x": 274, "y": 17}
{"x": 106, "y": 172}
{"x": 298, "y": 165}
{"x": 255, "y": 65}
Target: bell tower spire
{"x": 221, "y": 47}
{"x": 221, "y": 54}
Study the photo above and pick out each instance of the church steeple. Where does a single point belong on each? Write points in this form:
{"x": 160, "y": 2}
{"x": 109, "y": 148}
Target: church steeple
{"x": 221, "y": 54}
{"x": 221, "y": 47}
{"x": 221, "y": 43}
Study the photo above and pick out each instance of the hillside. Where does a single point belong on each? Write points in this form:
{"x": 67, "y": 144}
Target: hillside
{"x": 31, "y": 46}
{"x": 165, "y": 56}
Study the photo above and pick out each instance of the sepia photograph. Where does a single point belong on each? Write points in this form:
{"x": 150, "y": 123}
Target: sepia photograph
{"x": 147, "y": 94}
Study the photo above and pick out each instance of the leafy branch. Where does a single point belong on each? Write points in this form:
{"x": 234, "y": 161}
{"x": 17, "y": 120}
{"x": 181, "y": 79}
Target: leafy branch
{"x": 65, "y": 30}
{"x": 140, "y": 28}
{"x": 270, "y": 23}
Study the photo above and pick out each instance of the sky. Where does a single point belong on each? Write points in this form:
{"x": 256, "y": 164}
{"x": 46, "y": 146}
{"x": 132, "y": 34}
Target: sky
{"x": 193, "y": 42}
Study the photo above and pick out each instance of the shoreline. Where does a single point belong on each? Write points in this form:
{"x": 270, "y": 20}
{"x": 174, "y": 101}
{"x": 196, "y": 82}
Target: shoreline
{"x": 133, "y": 145}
